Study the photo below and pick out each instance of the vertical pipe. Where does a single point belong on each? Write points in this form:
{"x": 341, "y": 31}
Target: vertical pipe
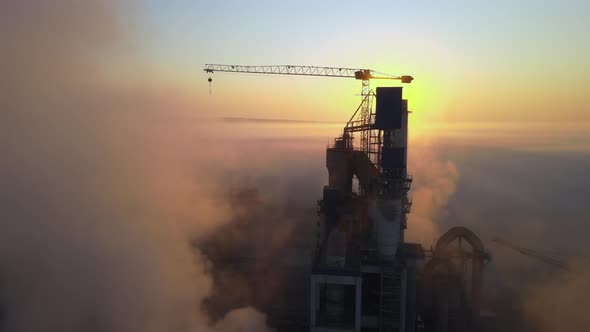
{"x": 358, "y": 301}
{"x": 403, "y": 301}
{"x": 411, "y": 302}
{"x": 313, "y": 302}
{"x": 442, "y": 305}
{"x": 477, "y": 282}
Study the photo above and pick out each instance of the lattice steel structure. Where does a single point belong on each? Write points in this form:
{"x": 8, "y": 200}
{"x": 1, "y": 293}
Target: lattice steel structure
{"x": 362, "y": 119}
{"x": 359, "y": 74}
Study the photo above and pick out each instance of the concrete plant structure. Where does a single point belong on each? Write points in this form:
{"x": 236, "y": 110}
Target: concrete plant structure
{"x": 364, "y": 275}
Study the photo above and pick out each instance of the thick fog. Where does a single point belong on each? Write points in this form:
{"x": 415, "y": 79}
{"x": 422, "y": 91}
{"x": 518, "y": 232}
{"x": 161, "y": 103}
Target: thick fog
{"x": 117, "y": 195}
{"x": 104, "y": 185}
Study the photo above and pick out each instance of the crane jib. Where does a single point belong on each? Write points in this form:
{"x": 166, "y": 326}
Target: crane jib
{"x": 360, "y": 74}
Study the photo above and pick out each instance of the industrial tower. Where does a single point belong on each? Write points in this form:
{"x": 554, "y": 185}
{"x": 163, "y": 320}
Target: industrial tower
{"x": 364, "y": 275}
{"x": 363, "y": 272}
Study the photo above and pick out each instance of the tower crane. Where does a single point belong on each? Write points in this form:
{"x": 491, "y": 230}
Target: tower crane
{"x": 360, "y": 74}
{"x": 363, "y": 114}
{"x": 534, "y": 254}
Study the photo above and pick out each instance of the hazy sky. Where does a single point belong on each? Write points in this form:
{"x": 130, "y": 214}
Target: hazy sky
{"x": 472, "y": 60}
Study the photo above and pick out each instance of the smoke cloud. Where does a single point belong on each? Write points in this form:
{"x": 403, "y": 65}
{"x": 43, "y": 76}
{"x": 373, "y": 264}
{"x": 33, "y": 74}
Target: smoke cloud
{"x": 434, "y": 182}
{"x": 561, "y": 303}
{"x": 518, "y": 192}
{"x": 117, "y": 199}
{"x": 100, "y": 198}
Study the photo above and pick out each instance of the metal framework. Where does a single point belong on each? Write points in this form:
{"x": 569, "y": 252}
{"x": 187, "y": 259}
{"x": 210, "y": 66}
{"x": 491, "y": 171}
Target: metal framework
{"x": 369, "y": 139}
{"x": 475, "y": 258}
{"x": 535, "y": 254}
{"x": 284, "y": 70}
{"x": 362, "y": 120}
{"x": 359, "y": 74}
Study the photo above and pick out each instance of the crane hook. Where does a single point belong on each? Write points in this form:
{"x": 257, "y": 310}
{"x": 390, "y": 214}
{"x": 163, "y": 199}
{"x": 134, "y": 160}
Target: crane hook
{"x": 210, "y": 80}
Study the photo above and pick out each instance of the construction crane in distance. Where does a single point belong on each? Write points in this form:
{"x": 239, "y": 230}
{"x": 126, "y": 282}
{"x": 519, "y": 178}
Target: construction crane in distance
{"x": 534, "y": 254}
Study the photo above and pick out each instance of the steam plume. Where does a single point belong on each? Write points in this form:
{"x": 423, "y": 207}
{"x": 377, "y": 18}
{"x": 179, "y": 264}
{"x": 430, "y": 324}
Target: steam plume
{"x": 99, "y": 203}
{"x": 434, "y": 183}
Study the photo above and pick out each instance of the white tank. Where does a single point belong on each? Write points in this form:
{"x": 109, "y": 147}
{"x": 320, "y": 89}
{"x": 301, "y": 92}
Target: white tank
{"x": 386, "y": 215}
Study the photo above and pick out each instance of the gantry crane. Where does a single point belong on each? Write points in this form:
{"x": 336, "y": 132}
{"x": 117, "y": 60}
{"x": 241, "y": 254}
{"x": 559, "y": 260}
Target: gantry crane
{"x": 360, "y": 121}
